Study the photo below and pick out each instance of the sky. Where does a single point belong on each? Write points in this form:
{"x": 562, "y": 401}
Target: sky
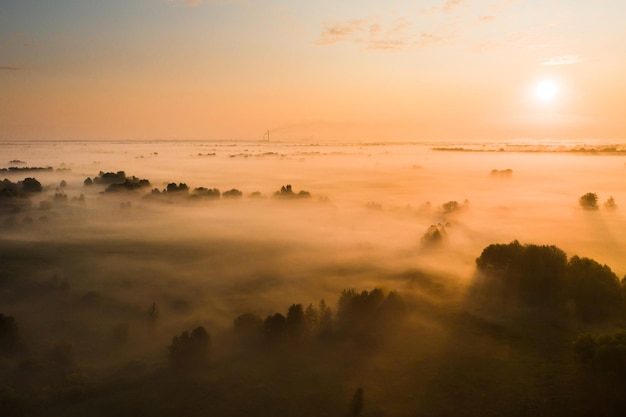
{"x": 308, "y": 71}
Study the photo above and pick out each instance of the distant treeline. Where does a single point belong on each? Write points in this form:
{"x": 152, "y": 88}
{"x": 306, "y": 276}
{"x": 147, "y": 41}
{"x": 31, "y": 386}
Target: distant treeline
{"x": 119, "y": 181}
{"x": 609, "y": 150}
{"x": 25, "y": 169}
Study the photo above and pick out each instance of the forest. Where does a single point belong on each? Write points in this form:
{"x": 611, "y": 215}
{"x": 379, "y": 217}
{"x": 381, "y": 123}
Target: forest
{"x": 183, "y": 294}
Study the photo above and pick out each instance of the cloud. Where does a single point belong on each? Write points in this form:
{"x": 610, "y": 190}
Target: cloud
{"x": 448, "y": 7}
{"x": 374, "y": 35}
{"x": 564, "y": 60}
{"x": 387, "y": 44}
{"x": 342, "y": 31}
{"x": 487, "y": 19}
{"x": 10, "y": 68}
{"x": 451, "y": 5}
{"x": 429, "y": 39}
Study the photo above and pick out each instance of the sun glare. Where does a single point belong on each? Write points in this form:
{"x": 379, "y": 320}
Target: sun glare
{"x": 546, "y": 90}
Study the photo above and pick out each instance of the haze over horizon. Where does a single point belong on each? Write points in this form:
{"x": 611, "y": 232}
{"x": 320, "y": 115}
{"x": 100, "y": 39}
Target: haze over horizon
{"x": 231, "y": 70}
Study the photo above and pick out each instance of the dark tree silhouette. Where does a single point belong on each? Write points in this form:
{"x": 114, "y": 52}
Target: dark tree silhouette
{"x": 212, "y": 193}
{"x": 450, "y": 206}
{"x": 287, "y": 192}
{"x": 435, "y": 235}
{"x": 180, "y": 188}
{"x": 107, "y": 178}
{"x": 311, "y": 321}
{"x": 31, "y": 185}
{"x": 356, "y": 405}
{"x": 60, "y": 198}
{"x": 9, "y": 335}
{"x": 589, "y": 201}
{"x": 128, "y": 184}
{"x": 594, "y": 289}
{"x": 542, "y": 275}
{"x": 605, "y": 354}
{"x": 531, "y": 273}
{"x": 190, "y": 349}
{"x": 368, "y": 315}
{"x": 248, "y": 323}
{"x": 325, "y": 319}
{"x": 274, "y": 327}
{"x": 610, "y": 203}
{"x": 294, "y": 323}
{"x": 153, "y": 312}
{"x": 233, "y": 193}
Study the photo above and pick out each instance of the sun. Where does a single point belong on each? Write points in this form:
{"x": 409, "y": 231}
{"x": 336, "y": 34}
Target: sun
{"x": 546, "y": 90}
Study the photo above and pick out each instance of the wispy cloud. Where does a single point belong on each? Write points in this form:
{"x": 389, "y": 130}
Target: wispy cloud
{"x": 350, "y": 30}
{"x": 451, "y": 5}
{"x": 374, "y": 35}
{"x": 10, "y": 68}
{"x": 564, "y": 60}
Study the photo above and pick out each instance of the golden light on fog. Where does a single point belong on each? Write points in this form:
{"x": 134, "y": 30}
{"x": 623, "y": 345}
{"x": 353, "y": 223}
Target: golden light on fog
{"x": 546, "y": 90}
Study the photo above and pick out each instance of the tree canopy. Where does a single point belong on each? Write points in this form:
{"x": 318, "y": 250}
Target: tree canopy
{"x": 543, "y": 275}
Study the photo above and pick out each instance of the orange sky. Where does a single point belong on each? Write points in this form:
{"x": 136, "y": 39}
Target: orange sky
{"x": 311, "y": 71}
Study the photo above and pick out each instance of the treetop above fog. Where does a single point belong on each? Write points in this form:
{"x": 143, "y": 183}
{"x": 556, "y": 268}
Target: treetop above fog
{"x": 543, "y": 275}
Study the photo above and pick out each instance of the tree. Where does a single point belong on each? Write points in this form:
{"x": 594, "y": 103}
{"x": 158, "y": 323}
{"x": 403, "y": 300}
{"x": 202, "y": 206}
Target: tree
{"x": 287, "y": 192}
{"x": 594, "y": 289}
{"x": 211, "y": 193}
{"x": 531, "y": 273}
{"x": 589, "y": 201}
{"x": 190, "y": 349}
{"x": 233, "y": 193}
{"x": 181, "y": 187}
{"x": 247, "y": 323}
{"x": 294, "y": 323}
{"x": 610, "y": 203}
{"x": 153, "y": 312}
{"x": 605, "y": 353}
{"x": 311, "y": 320}
{"x": 367, "y": 315}
{"x": 274, "y": 327}
{"x": 356, "y": 405}
{"x": 31, "y": 185}
{"x": 325, "y": 319}
{"x": 9, "y": 335}
{"x": 450, "y": 206}
{"x": 435, "y": 235}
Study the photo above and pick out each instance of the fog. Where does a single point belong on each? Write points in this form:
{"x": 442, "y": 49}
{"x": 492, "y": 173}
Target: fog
{"x": 87, "y": 268}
